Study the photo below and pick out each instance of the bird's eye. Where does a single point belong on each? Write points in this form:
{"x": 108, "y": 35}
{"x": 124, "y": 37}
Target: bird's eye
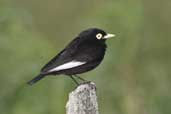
{"x": 99, "y": 36}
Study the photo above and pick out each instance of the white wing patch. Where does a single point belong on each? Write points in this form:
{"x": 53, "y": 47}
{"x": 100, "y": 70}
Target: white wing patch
{"x": 68, "y": 65}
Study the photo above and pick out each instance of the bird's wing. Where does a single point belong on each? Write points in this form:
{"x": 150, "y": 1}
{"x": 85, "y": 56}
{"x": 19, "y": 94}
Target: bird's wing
{"x": 65, "y": 59}
{"x": 67, "y": 65}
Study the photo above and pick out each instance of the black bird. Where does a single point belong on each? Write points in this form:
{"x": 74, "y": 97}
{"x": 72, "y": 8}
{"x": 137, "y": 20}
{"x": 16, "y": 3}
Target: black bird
{"x": 82, "y": 54}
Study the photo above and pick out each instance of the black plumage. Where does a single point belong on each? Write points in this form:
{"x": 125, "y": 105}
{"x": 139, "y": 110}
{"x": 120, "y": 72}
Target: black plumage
{"x": 82, "y": 54}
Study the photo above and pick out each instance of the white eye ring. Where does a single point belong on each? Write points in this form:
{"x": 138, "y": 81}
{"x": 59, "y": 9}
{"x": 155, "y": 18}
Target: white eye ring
{"x": 99, "y": 36}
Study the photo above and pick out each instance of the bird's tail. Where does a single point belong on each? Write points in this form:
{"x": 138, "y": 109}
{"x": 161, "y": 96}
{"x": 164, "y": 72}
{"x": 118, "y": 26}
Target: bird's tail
{"x": 37, "y": 78}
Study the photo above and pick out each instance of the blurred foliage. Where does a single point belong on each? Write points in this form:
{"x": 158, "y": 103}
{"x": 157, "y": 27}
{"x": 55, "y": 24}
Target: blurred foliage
{"x": 134, "y": 78}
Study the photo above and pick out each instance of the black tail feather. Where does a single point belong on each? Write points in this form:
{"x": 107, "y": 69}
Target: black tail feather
{"x": 37, "y": 78}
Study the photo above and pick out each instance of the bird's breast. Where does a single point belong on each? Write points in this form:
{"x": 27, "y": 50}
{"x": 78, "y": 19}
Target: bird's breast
{"x": 91, "y": 52}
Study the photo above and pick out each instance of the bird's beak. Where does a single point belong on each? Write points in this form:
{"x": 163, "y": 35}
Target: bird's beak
{"x": 108, "y": 36}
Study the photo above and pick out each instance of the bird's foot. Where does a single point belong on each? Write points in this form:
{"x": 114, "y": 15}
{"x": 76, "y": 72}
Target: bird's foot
{"x": 76, "y": 82}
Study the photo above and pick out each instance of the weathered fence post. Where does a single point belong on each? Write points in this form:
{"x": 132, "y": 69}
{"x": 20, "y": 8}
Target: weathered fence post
{"x": 83, "y": 100}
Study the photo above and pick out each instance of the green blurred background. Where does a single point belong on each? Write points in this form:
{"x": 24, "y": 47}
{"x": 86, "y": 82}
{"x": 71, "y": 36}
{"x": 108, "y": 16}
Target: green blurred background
{"x": 134, "y": 78}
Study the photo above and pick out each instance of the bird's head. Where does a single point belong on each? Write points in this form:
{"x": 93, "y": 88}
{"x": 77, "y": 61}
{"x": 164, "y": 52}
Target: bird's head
{"x": 95, "y": 34}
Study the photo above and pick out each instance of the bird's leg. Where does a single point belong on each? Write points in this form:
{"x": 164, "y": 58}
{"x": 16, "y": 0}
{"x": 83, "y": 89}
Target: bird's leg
{"x": 74, "y": 79}
{"x": 81, "y": 78}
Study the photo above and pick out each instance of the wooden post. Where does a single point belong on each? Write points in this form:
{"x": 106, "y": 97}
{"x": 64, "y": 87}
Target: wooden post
{"x": 83, "y": 100}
